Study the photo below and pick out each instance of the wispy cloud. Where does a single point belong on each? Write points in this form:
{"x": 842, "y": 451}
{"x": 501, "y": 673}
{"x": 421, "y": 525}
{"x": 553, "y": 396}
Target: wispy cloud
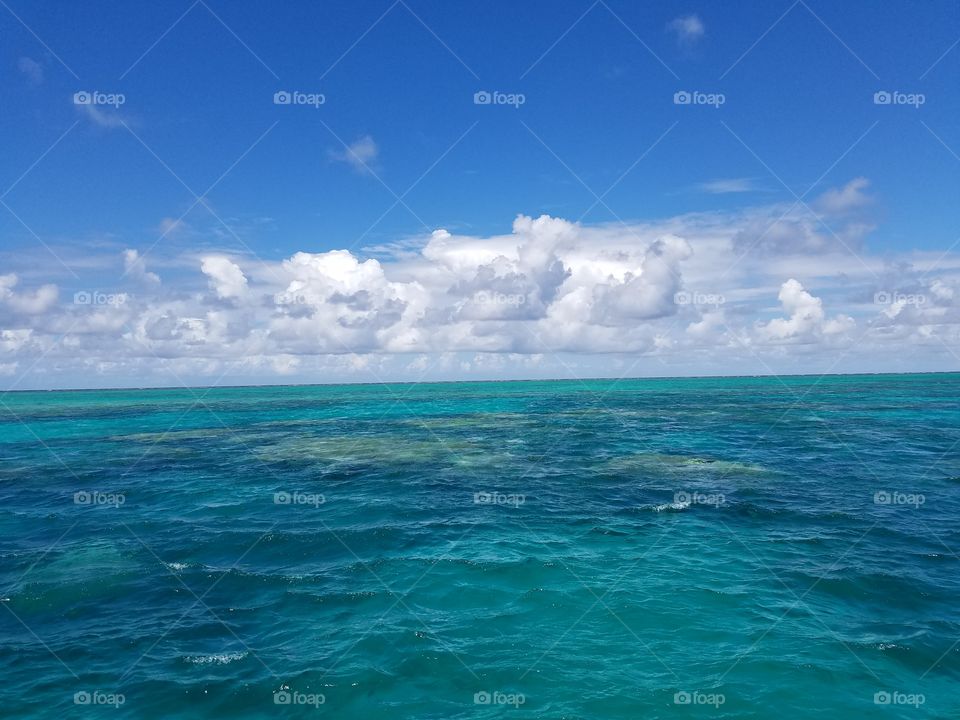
{"x": 688, "y": 29}
{"x": 849, "y": 198}
{"x": 361, "y": 154}
{"x": 101, "y": 118}
{"x": 101, "y": 108}
{"x": 725, "y": 186}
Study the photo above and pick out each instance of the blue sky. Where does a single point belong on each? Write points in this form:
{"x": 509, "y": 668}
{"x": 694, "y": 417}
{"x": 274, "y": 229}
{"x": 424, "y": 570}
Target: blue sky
{"x": 598, "y": 120}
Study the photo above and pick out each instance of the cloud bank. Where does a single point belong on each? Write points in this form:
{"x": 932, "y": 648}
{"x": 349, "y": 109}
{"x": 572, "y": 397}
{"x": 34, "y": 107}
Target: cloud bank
{"x": 769, "y": 289}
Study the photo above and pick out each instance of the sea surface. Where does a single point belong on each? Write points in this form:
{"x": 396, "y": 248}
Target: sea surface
{"x": 664, "y": 548}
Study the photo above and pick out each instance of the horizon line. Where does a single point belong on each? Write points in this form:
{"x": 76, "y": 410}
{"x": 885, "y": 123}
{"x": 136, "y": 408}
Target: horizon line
{"x": 485, "y": 380}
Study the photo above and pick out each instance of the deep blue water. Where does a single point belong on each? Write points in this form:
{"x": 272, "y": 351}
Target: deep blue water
{"x": 723, "y": 548}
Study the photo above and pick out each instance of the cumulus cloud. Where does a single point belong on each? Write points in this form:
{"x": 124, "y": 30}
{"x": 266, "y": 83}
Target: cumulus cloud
{"x": 225, "y": 276}
{"x": 14, "y": 340}
{"x": 361, "y": 154}
{"x": 560, "y": 292}
{"x": 807, "y": 319}
{"x": 135, "y": 267}
{"x": 518, "y": 285}
{"x": 688, "y": 29}
{"x": 646, "y": 293}
{"x": 32, "y": 302}
{"x": 339, "y": 303}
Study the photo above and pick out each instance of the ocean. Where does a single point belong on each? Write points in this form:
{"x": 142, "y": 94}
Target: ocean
{"x": 661, "y": 548}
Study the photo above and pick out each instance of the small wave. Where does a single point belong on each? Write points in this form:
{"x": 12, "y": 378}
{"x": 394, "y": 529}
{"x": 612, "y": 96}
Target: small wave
{"x": 221, "y": 659}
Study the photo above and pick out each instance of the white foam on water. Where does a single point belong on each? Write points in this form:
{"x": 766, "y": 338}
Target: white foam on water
{"x": 222, "y": 659}
{"x": 672, "y": 507}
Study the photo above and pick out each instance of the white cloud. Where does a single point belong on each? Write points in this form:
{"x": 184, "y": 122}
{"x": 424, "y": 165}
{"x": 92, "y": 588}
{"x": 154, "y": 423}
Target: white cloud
{"x": 849, "y": 198}
{"x": 172, "y": 226}
{"x": 226, "y": 277}
{"x": 337, "y": 303}
{"x": 800, "y": 230}
{"x": 12, "y": 341}
{"x": 725, "y": 186}
{"x": 688, "y": 29}
{"x": 27, "y": 303}
{"x": 361, "y": 154}
{"x": 806, "y": 320}
{"x": 647, "y": 293}
{"x": 102, "y": 118}
{"x": 761, "y": 288}
{"x": 135, "y": 267}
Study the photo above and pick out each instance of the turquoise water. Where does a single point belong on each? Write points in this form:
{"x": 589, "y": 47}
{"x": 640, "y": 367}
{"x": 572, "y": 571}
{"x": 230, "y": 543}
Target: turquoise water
{"x": 723, "y": 548}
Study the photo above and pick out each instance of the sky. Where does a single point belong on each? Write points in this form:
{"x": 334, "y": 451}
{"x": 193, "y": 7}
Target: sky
{"x": 217, "y": 193}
